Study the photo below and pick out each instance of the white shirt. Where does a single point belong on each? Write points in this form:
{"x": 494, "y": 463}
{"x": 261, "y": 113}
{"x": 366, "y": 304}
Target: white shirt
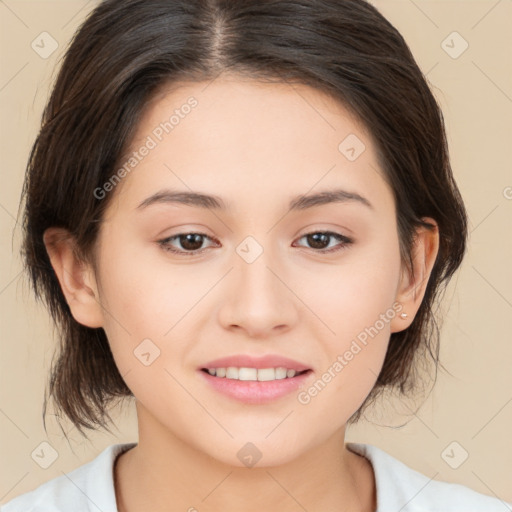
{"x": 90, "y": 488}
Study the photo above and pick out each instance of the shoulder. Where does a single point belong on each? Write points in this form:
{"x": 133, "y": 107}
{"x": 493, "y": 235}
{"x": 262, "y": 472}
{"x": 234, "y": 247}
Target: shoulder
{"x": 399, "y": 487}
{"x": 89, "y": 487}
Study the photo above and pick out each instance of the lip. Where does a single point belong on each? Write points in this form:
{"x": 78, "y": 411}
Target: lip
{"x": 246, "y": 361}
{"x": 255, "y": 392}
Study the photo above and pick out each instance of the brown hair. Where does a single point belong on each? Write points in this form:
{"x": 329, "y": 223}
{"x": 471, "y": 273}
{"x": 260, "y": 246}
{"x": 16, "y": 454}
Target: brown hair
{"x": 120, "y": 57}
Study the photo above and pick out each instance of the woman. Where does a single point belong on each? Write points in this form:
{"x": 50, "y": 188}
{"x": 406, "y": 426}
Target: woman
{"x": 241, "y": 214}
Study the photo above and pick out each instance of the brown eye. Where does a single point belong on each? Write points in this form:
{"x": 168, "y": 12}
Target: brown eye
{"x": 320, "y": 240}
{"x": 189, "y": 243}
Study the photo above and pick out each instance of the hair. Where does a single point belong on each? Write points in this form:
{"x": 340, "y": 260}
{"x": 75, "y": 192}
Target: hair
{"x": 128, "y": 50}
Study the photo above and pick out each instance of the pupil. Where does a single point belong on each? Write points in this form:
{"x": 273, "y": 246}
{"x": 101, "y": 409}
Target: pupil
{"x": 319, "y": 240}
{"x": 193, "y": 241}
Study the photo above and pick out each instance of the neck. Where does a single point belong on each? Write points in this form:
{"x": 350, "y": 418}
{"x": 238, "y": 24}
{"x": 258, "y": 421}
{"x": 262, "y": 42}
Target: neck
{"x": 163, "y": 470}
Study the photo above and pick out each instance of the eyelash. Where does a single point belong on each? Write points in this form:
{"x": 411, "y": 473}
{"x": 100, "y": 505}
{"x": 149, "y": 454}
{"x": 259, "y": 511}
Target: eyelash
{"x": 166, "y": 247}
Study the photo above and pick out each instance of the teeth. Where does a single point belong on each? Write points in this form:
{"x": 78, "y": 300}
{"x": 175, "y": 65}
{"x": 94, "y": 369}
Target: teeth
{"x": 262, "y": 374}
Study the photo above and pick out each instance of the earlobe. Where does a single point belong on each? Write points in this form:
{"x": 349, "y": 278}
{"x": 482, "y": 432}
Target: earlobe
{"x": 413, "y": 284}
{"x": 76, "y": 278}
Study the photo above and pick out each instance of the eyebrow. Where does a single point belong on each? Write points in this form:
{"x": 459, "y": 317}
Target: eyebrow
{"x": 298, "y": 203}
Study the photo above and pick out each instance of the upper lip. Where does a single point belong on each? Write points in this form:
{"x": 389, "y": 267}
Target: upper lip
{"x": 247, "y": 361}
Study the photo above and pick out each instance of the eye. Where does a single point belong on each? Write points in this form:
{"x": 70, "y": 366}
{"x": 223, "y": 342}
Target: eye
{"x": 321, "y": 240}
{"x": 191, "y": 243}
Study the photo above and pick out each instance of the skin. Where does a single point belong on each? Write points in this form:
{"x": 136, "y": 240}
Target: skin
{"x": 256, "y": 146}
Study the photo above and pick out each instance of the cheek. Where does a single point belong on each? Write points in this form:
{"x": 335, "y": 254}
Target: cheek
{"x": 146, "y": 297}
{"x": 353, "y": 359}
{"x": 356, "y": 304}
{"x": 353, "y": 295}
{"x": 144, "y": 292}
{"x": 135, "y": 299}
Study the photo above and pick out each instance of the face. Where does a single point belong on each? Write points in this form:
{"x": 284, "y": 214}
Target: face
{"x": 315, "y": 282}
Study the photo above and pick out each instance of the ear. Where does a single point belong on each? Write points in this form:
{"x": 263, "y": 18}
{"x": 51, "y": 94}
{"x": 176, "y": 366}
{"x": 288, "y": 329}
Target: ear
{"x": 411, "y": 288}
{"x": 76, "y": 278}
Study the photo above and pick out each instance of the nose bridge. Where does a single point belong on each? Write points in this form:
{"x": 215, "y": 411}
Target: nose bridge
{"x": 253, "y": 272}
{"x": 260, "y": 300}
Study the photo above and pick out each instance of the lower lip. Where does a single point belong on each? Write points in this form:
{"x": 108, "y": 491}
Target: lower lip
{"x": 253, "y": 391}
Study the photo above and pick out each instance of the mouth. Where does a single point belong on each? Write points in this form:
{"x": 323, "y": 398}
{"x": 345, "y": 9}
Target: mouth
{"x": 254, "y": 374}
{"x": 255, "y": 386}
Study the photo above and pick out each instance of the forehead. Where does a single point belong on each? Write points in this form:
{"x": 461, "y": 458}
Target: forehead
{"x": 245, "y": 140}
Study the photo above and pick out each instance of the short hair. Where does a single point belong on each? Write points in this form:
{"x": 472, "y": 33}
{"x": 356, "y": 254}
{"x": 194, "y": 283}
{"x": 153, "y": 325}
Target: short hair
{"x": 120, "y": 57}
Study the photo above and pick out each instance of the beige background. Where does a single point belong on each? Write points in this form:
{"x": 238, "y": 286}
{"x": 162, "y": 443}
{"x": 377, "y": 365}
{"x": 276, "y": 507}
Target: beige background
{"x": 472, "y": 407}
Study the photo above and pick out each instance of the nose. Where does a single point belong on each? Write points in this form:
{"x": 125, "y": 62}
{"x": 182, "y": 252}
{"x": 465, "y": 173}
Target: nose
{"x": 257, "y": 298}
